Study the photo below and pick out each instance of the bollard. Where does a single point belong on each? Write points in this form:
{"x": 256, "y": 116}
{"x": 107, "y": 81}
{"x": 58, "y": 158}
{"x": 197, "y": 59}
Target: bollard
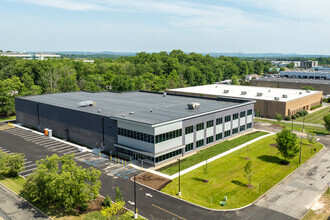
{"x": 142, "y": 167}
{"x": 100, "y": 153}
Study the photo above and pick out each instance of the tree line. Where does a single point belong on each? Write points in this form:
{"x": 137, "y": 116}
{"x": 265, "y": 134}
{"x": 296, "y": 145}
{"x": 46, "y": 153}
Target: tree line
{"x": 145, "y": 71}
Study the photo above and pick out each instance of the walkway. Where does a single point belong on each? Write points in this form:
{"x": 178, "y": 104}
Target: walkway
{"x": 295, "y": 122}
{"x": 13, "y": 206}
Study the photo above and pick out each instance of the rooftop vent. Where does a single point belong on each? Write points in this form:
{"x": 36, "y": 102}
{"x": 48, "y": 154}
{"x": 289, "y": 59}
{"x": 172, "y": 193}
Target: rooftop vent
{"x": 269, "y": 90}
{"x": 277, "y": 98}
{"x": 300, "y": 93}
{"x": 164, "y": 94}
{"x": 131, "y": 113}
{"x": 86, "y": 103}
{"x": 285, "y": 96}
{"x": 226, "y": 91}
{"x": 308, "y": 91}
{"x": 99, "y": 111}
{"x": 259, "y": 94}
{"x": 123, "y": 115}
{"x": 193, "y": 105}
{"x": 151, "y": 110}
{"x": 243, "y": 92}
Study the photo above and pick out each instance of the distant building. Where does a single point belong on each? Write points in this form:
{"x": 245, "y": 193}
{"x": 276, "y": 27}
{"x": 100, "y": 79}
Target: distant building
{"x": 251, "y": 76}
{"x": 297, "y": 64}
{"x": 269, "y": 101}
{"x": 305, "y": 74}
{"x": 31, "y": 56}
{"x": 293, "y": 83}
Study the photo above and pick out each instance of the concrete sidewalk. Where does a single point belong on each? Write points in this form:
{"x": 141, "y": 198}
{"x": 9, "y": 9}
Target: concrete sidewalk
{"x": 294, "y": 122}
{"x": 296, "y": 194}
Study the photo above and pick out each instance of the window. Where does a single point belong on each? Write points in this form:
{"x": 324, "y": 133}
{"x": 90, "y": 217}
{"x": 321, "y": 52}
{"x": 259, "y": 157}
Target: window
{"x": 209, "y": 139}
{"x": 189, "y": 147}
{"x": 200, "y": 126}
{"x": 249, "y": 126}
{"x": 168, "y": 136}
{"x": 218, "y": 136}
{"x": 235, "y": 116}
{"x": 136, "y": 135}
{"x": 209, "y": 123}
{"x": 218, "y": 121}
{"x": 199, "y": 143}
{"x": 242, "y": 114}
{"x": 227, "y": 133}
{"x": 168, "y": 155}
{"x": 242, "y": 128}
{"x": 227, "y": 118}
{"x": 249, "y": 112}
{"x": 189, "y": 129}
{"x": 235, "y": 130}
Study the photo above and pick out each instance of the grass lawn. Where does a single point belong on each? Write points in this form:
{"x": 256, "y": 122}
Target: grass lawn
{"x": 16, "y": 185}
{"x": 10, "y": 118}
{"x": 227, "y": 177}
{"x": 210, "y": 152}
{"x": 297, "y": 127}
{"x": 324, "y": 212}
{"x": 316, "y": 117}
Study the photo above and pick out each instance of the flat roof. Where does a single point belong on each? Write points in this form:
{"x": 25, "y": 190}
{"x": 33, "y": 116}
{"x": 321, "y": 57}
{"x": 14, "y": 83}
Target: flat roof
{"x": 120, "y": 105}
{"x": 295, "y": 80}
{"x": 247, "y": 92}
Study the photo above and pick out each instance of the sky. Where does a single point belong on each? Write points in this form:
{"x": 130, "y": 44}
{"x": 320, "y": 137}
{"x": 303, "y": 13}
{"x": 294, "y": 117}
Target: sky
{"x": 205, "y": 26}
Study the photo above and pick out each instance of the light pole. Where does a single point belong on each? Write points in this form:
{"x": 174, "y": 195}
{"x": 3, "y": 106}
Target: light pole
{"x": 135, "y": 213}
{"x": 179, "y": 193}
{"x": 300, "y": 150}
{"x": 304, "y": 124}
{"x": 292, "y": 123}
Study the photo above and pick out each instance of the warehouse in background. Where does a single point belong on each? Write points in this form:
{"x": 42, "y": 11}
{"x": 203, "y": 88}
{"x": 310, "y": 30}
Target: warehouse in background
{"x": 143, "y": 126}
{"x": 269, "y": 101}
{"x": 294, "y": 83}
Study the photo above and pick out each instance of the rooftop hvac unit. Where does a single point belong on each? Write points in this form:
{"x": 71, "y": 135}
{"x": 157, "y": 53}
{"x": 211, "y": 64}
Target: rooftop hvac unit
{"x": 285, "y": 96}
{"x": 277, "y": 98}
{"x": 243, "y": 92}
{"x": 308, "y": 91}
{"x": 86, "y": 103}
{"x": 193, "y": 105}
{"x": 226, "y": 91}
{"x": 259, "y": 94}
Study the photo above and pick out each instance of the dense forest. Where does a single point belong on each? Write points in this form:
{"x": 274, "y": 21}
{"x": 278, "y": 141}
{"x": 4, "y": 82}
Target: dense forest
{"x": 154, "y": 72}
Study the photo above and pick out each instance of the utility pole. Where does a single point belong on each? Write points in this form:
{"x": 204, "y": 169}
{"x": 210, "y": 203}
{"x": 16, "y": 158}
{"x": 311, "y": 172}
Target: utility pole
{"x": 135, "y": 212}
{"x": 300, "y": 150}
{"x": 179, "y": 193}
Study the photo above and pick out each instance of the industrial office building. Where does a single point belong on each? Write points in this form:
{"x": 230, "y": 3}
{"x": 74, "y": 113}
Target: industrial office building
{"x": 305, "y": 74}
{"x": 153, "y": 127}
{"x": 31, "y": 56}
{"x": 269, "y": 101}
{"x": 293, "y": 83}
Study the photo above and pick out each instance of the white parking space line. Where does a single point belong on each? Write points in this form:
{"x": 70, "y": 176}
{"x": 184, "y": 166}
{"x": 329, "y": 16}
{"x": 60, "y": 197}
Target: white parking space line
{"x": 64, "y": 148}
{"x": 31, "y": 165}
{"x": 27, "y": 170}
{"x": 70, "y": 152}
{"x": 22, "y": 134}
{"x": 109, "y": 167}
{"x": 45, "y": 141}
{"x": 57, "y": 146}
{"x": 5, "y": 151}
{"x": 34, "y": 138}
{"x": 80, "y": 153}
{"x": 54, "y": 145}
{"x": 85, "y": 155}
{"x": 28, "y": 162}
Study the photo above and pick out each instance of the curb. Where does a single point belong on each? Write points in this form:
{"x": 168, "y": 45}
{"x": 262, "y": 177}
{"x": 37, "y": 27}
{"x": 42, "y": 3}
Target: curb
{"x": 240, "y": 208}
{"x": 26, "y": 201}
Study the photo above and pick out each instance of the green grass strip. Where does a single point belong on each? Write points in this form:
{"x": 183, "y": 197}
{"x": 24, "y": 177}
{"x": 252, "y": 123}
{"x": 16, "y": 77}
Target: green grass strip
{"x": 210, "y": 152}
{"x": 226, "y": 175}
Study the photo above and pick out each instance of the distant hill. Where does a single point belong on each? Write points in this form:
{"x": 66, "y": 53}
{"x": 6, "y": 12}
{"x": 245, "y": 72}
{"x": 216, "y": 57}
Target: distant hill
{"x": 256, "y": 55}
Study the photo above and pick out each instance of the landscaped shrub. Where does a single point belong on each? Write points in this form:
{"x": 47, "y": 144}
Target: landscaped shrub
{"x": 293, "y": 117}
{"x": 296, "y": 115}
{"x": 316, "y": 106}
{"x": 287, "y": 118}
{"x": 301, "y": 113}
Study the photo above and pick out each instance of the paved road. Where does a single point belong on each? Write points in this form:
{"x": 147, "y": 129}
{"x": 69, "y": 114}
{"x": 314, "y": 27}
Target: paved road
{"x": 159, "y": 206}
{"x": 295, "y": 195}
{"x": 13, "y": 207}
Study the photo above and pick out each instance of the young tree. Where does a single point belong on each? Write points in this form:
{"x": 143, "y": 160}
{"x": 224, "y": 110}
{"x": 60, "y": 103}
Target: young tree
{"x": 119, "y": 196}
{"x": 278, "y": 117}
{"x": 287, "y": 144}
{"x": 15, "y": 164}
{"x": 248, "y": 171}
{"x": 326, "y": 120}
{"x": 59, "y": 182}
{"x": 234, "y": 80}
{"x": 107, "y": 201}
{"x": 205, "y": 171}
